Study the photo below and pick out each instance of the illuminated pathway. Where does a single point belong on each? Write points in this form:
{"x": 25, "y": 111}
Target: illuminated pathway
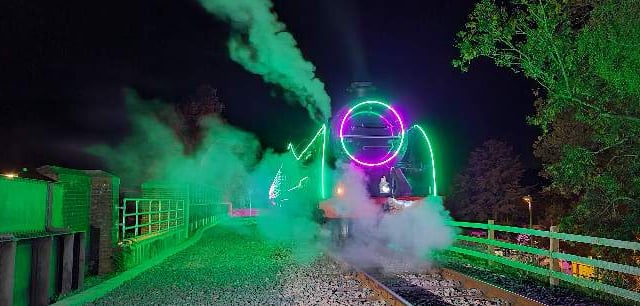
{"x": 223, "y": 265}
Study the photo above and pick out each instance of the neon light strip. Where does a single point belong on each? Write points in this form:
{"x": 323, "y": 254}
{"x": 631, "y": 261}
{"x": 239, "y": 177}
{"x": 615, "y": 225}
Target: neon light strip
{"x": 299, "y": 185}
{"x": 377, "y": 115}
{"x": 324, "y": 145}
{"x": 344, "y": 147}
{"x": 322, "y": 130}
{"x": 274, "y": 189}
{"x": 433, "y": 163}
{"x": 293, "y": 150}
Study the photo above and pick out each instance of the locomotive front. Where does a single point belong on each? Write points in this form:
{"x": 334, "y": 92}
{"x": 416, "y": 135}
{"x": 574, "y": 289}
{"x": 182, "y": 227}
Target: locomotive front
{"x": 396, "y": 159}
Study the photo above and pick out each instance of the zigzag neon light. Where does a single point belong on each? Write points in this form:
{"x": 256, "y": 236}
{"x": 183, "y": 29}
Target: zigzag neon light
{"x": 293, "y": 150}
{"x": 433, "y": 163}
{"x": 299, "y": 185}
{"x": 322, "y": 130}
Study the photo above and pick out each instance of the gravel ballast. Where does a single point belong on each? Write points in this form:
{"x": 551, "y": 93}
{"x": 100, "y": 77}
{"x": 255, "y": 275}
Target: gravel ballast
{"x": 420, "y": 284}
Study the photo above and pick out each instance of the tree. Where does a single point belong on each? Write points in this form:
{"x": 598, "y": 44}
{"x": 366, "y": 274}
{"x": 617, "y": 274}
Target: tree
{"x": 583, "y": 55}
{"x": 489, "y": 188}
{"x": 192, "y": 111}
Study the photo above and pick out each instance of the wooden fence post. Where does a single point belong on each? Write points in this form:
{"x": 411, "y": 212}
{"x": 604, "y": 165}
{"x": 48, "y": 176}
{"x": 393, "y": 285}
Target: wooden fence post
{"x": 554, "y": 264}
{"x": 491, "y": 235}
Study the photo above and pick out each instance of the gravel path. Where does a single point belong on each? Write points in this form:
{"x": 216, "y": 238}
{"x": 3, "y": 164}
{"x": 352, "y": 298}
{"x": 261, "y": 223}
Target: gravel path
{"x": 229, "y": 266}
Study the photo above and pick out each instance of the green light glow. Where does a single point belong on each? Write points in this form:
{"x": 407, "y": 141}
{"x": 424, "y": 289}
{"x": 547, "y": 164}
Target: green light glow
{"x": 299, "y": 185}
{"x": 433, "y": 163}
{"x": 293, "y": 150}
{"x": 323, "y": 131}
{"x": 324, "y": 145}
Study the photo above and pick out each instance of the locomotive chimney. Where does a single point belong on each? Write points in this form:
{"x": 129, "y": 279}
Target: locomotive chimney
{"x": 361, "y": 90}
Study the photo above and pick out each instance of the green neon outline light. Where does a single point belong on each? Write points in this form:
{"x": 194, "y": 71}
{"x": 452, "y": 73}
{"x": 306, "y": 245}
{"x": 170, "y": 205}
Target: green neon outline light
{"x": 324, "y": 145}
{"x": 322, "y": 130}
{"x": 433, "y": 163}
{"x": 299, "y": 185}
{"x": 293, "y": 150}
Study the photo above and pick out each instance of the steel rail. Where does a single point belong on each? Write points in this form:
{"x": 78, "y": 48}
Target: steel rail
{"x": 380, "y": 290}
{"x": 489, "y": 291}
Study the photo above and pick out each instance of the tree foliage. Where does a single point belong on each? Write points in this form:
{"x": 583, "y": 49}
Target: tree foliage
{"x": 192, "y": 112}
{"x": 584, "y": 55}
{"x": 489, "y": 188}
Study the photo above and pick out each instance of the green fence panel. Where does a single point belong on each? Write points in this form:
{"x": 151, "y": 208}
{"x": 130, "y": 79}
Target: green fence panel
{"x": 506, "y": 245}
{"x": 598, "y": 241}
{"x": 467, "y": 224}
{"x": 502, "y": 260}
{"x": 519, "y": 230}
{"x": 632, "y": 295}
{"x": 632, "y": 270}
{"x": 599, "y": 263}
{"x": 500, "y": 228}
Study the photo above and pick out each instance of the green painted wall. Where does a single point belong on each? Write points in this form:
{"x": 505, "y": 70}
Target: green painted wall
{"x": 22, "y": 205}
{"x": 57, "y": 219}
{"x": 77, "y": 192}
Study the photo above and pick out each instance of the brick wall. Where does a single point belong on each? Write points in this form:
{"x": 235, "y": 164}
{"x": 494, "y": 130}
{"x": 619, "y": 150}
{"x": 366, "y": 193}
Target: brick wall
{"x": 76, "y": 184}
{"x": 104, "y": 217}
{"x": 90, "y": 205}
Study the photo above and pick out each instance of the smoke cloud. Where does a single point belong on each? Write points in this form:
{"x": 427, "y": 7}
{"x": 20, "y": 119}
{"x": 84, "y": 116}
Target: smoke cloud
{"x": 413, "y": 233}
{"x": 153, "y": 150}
{"x": 261, "y": 44}
{"x": 231, "y": 163}
{"x": 227, "y": 161}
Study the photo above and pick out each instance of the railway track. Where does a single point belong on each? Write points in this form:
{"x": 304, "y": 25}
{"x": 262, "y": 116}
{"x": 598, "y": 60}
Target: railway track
{"x": 436, "y": 286}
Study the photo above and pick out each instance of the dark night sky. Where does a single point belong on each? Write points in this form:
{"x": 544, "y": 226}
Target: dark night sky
{"x": 63, "y": 65}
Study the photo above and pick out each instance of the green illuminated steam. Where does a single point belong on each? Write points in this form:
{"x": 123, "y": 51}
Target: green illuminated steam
{"x": 261, "y": 44}
{"x": 227, "y": 161}
{"x": 153, "y": 151}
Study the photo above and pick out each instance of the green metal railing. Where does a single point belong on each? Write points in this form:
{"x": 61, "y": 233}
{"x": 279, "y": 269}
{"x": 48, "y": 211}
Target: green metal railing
{"x": 141, "y": 217}
{"x": 553, "y": 272}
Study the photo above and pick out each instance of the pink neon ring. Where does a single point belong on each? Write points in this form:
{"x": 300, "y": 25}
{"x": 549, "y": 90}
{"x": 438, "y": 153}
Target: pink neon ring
{"x": 397, "y": 151}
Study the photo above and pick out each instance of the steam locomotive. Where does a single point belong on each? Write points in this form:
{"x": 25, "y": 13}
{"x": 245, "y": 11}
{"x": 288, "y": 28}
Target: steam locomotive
{"x": 373, "y": 137}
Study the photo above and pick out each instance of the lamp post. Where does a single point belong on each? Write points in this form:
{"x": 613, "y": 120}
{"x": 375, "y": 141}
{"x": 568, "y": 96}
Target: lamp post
{"x": 527, "y": 199}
